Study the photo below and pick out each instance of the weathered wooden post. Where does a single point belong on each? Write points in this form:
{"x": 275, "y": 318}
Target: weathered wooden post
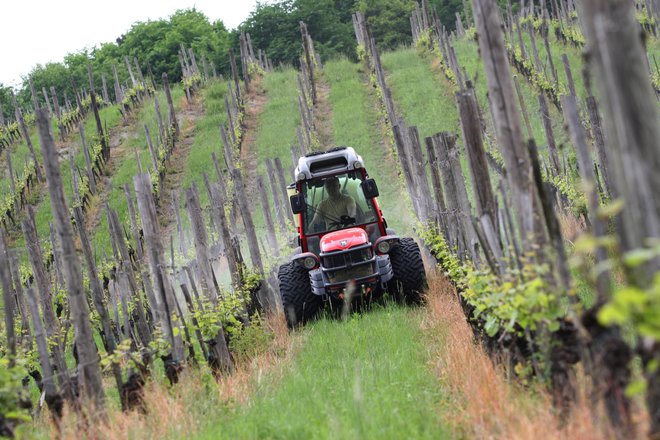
{"x": 8, "y": 300}
{"x": 105, "y": 148}
{"x": 219, "y": 357}
{"x": 26, "y": 135}
{"x": 549, "y": 135}
{"x": 506, "y": 121}
{"x": 201, "y": 243}
{"x": 633, "y": 147}
{"x": 163, "y": 300}
{"x": 419, "y": 173}
{"x": 134, "y": 225}
{"x": 52, "y": 397}
{"x": 268, "y": 217}
{"x": 440, "y": 206}
{"x": 97, "y": 294}
{"x": 172, "y": 115}
{"x": 88, "y": 159}
{"x": 308, "y": 59}
{"x": 234, "y": 75}
{"x": 44, "y": 286}
{"x": 119, "y": 94}
{"x": 89, "y": 372}
{"x": 280, "y": 204}
{"x": 476, "y": 153}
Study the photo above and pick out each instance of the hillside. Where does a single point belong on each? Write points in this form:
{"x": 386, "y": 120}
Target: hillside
{"x": 143, "y": 231}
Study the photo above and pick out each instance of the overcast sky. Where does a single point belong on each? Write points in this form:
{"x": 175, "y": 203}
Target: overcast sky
{"x": 65, "y": 26}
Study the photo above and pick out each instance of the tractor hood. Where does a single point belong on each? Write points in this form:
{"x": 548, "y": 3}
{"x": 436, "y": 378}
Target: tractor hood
{"x": 344, "y": 239}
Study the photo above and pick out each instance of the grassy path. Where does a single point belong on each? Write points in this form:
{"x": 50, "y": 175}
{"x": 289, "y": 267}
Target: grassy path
{"x": 355, "y": 122}
{"x": 274, "y": 130}
{"x": 364, "y": 378}
{"x": 279, "y": 120}
{"x": 421, "y": 97}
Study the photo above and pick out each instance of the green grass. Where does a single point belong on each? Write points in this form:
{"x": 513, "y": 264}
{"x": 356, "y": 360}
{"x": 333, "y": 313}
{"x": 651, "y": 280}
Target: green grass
{"x": 207, "y": 140}
{"x": 276, "y": 130}
{"x": 468, "y": 56}
{"x": 364, "y": 378}
{"x": 421, "y": 98}
{"x": 280, "y": 118}
{"x": 355, "y": 123}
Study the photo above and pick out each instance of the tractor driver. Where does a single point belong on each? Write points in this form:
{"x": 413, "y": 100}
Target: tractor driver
{"x": 336, "y": 207}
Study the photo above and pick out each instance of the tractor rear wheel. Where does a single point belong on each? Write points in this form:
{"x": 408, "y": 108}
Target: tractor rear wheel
{"x": 299, "y": 302}
{"x": 409, "y": 275}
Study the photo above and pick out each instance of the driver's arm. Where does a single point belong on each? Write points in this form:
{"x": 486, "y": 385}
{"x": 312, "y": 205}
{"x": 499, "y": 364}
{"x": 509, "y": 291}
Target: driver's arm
{"x": 350, "y": 207}
{"x": 319, "y": 214}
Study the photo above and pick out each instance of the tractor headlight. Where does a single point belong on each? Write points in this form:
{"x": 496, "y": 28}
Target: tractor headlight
{"x": 309, "y": 263}
{"x": 301, "y": 176}
{"x": 357, "y": 164}
{"x": 384, "y": 247}
{"x": 385, "y": 244}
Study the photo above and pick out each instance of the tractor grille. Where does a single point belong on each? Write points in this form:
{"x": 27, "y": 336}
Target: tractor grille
{"x": 350, "y": 264}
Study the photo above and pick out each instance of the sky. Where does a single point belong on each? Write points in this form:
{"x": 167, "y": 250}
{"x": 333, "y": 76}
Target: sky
{"x": 66, "y": 26}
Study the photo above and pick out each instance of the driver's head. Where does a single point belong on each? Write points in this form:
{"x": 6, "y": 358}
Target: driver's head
{"x": 332, "y": 186}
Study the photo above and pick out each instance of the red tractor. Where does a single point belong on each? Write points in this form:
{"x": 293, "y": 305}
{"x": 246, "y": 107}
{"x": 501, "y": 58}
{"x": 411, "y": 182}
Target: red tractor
{"x": 346, "y": 251}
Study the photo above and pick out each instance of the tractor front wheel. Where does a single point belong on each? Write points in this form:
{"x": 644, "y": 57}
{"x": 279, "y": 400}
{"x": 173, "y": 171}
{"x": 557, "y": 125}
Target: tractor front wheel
{"x": 300, "y": 304}
{"x": 409, "y": 275}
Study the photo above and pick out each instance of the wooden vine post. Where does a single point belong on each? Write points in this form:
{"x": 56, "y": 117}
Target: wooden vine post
{"x": 633, "y": 149}
{"x": 26, "y": 135}
{"x": 476, "y": 153}
{"x": 172, "y": 115}
{"x": 97, "y": 294}
{"x": 8, "y": 300}
{"x": 89, "y": 372}
{"x": 506, "y": 121}
{"x": 105, "y": 148}
{"x": 164, "y": 303}
{"x": 219, "y": 357}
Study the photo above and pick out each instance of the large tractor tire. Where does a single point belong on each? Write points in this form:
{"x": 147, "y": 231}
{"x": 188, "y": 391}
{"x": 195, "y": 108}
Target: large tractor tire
{"x": 409, "y": 275}
{"x": 300, "y": 304}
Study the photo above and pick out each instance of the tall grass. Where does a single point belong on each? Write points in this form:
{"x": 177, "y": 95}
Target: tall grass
{"x": 180, "y": 411}
{"x": 482, "y": 403}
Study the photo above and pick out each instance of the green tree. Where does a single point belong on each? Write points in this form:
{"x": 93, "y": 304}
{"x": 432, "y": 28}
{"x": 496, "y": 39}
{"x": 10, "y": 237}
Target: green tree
{"x": 389, "y": 21}
{"x": 273, "y": 27}
{"x": 5, "y": 100}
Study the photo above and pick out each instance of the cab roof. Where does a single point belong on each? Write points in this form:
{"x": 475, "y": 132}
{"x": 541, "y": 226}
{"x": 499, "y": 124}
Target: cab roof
{"x": 324, "y": 163}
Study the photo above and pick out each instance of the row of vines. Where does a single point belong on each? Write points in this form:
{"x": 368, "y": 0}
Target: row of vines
{"x": 539, "y": 303}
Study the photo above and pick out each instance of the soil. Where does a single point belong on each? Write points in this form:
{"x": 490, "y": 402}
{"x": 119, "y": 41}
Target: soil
{"x": 255, "y": 102}
{"x": 188, "y": 116}
{"x": 118, "y": 150}
{"x": 323, "y": 114}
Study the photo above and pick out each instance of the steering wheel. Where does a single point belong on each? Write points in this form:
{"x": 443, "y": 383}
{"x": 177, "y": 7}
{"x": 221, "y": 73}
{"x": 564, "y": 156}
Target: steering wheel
{"x": 344, "y": 221}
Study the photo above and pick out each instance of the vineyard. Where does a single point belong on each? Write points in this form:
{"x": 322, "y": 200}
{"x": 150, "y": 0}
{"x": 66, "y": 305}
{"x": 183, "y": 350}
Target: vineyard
{"x": 143, "y": 223}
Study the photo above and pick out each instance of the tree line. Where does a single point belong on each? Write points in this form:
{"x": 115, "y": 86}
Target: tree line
{"x": 272, "y": 26}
